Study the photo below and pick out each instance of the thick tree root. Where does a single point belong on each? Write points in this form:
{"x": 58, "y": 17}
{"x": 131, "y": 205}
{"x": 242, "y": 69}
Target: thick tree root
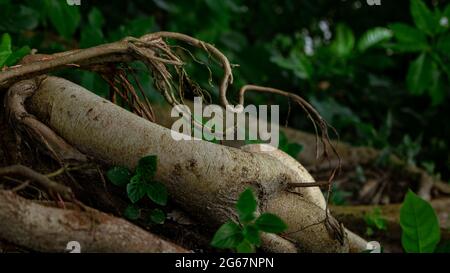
{"x": 203, "y": 178}
{"x": 48, "y": 229}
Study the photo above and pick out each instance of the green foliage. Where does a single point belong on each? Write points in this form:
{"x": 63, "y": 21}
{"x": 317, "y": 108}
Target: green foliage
{"x": 141, "y": 184}
{"x": 119, "y": 176}
{"x": 420, "y": 226}
{"x": 132, "y": 212}
{"x": 9, "y": 57}
{"x": 64, "y": 18}
{"x": 246, "y": 236}
{"x": 157, "y": 216}
{"x": 375, "y": 221}
{"x": 430, "y": 40}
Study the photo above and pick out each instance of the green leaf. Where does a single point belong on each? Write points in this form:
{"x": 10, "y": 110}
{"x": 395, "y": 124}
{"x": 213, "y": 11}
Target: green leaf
{"x": 271, "y": 223}
{"x": 419, "y": 74}
{"x": 437, "y": 90}
{"x": 17, "y": 55}
{"x": 419, "y": 223}
{"x": 251, "y": 234}
{"x": 229, "y": 235}
{"x": 5, "y": 48}
{"x": 423, "y": 17}
{"x": 373, "y": 37}
{"x": 147, "y": 167}
{"x": 246, "y": 205}
{"x": 64, "y": 18}
{"x": 443, "y": 247}
{"x": 293, "y": 149}
{"x": 136, "y": 189}
{"x": 92, "y": 35}
{"x": 132, "y": 212}
{"x": 157, "y": 192}
{"x": 96, "y": 18}
{"x": 443, "y": 44}
{"x": 344, "y": 42}
{"x": 409, "y": 38}
{"x": 119, "y": 176}
{"x": 245, "y": 247}
{"x": 157, "y": 216}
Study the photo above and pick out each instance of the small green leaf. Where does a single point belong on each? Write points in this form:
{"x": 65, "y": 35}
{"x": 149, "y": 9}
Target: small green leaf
{"x": 443, "y": 247}
{"x": 132, "y": 212}
{"x": 419, "y": 223}
{"x": 96, "y": 18}
{"x": 344, "y": 42}
{"x": 271, "y": 223}
{"x": 246, "y": 205}
{"x": 293, "y": 149}
{"x": 443, "y": 44}
{"x": 119, "y": 176}
{"x": 136, "y": 189}
{"x": 437, "y": 90}
{"x": 17, "y": 55}
{"x": 419, "y": 74}
{"x": 251, "y": 234}
{"x": 423, "y": 17}
{"x": 245, "y": 247}
{"x": 157, "y": 192}
{"x": 147, "y": 167}
{"x": 229, "y": 235}
{"x": 158, "y": 216}
{"x": 5, "y": 48}
{"x": 64, "y": 18}
{"x": 372, "y": 37}
{"x": 409, "y": 39}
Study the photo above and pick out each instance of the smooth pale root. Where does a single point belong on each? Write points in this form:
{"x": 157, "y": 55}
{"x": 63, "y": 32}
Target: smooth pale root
{"x": 49, "y": 229}
{"x": 204, "y": 178}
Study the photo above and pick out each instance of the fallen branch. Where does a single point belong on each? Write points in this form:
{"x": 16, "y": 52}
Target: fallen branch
{"x": 48, "y": 229}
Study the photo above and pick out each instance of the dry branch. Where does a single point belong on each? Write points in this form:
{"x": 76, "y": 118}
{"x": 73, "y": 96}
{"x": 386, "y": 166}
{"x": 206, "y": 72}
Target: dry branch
{"x": 43, "y": 228}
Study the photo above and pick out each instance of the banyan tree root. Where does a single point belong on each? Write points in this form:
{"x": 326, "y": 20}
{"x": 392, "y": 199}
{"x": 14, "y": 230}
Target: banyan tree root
{"x": 203, "y": 178}
{"x": 43, "y": 228}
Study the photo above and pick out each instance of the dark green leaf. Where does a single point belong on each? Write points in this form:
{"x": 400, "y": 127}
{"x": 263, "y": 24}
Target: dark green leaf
{"x": 119, "y": 176}
{"x": 409, "y": 38}
{"x": 443, "y": 44}
{"x": 246, "y": 205}
{"x": 419, "y": 74}
{"x": 344, "y": 41}
{"x": 96, "y": 18}
{"x": 251, "y": 234}
{"x": 419, "y": 223}
{"x": 423, "y": 17}
{"x": 158, "y": 216}
{"x": 437, "y": 90}
{"x": 245, "y": 247}
{"x": 64, "y": 18}
{"x": 136, "y": 189}
{"x": 229, "y": 235}
{"x": 293, "y": 149}
{"x": 17, "y": 55}
{"x": 157, "y": 192}
{"x": 132, "y": 212}
{"x": 271, "y": 223}
{"x": 372, "y": 37}
{"x": 443, "y": 247}
{"x": 5, "y": 48}
{"x": 147, "y": 167}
